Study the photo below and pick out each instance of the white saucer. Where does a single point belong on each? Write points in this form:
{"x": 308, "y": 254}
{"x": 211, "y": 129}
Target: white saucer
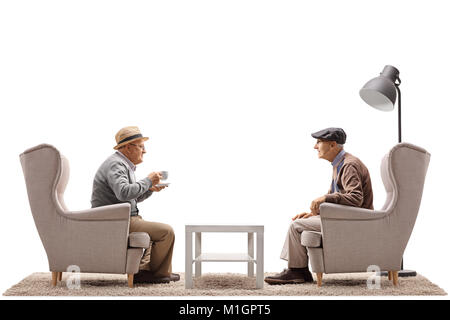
{"x": 164, "y": 184}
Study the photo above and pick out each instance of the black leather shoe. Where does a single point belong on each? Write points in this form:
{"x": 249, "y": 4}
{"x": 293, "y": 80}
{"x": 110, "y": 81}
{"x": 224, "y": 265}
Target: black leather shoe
{"x": 307, "y": 275}
{"x": 287, "y": 276}
{"x": 174, "y": 277}
{"x": 147, "y": 277}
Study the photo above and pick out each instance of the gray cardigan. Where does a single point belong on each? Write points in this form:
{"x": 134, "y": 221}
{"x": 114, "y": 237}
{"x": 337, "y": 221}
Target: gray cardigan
{"x": 115, "y": 182}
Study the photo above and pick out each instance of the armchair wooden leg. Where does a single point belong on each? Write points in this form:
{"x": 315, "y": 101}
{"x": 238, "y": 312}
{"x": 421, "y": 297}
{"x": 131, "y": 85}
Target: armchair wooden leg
{"x": 130, "y": 280}
{"x": 390, "y": 275}
{"x": 319, "y": 278}
{"x": 59, "y": 276}
{"x": 54, "y": 278}
{"x": 395, "y": 277}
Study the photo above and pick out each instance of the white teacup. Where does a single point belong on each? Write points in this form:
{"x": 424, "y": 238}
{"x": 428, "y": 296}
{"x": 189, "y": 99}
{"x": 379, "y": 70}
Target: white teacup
{"x": 164, "y": 175}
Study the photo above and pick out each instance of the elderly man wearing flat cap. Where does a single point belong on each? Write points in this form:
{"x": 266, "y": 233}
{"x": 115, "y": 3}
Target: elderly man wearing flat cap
{"x": 350, "y": 186}
{"x": 115, "y": 182}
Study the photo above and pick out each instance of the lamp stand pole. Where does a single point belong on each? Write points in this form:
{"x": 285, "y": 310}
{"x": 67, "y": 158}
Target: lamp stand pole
{"x": 392, "y": 74}
{"x": 402, "y": 273}
{"x": 399, "y": 105}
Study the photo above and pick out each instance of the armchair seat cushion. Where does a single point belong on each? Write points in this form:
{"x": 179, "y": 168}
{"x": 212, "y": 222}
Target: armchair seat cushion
{"x": 139, "y": 240}
{"x": 312, "y": 239}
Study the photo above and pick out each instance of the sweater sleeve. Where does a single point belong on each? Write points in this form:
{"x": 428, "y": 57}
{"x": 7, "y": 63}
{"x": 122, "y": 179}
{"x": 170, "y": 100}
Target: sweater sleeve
{"x": 352, "y": 191}
{"x": 144, "y": 196}
{"x": 117, "y": 178}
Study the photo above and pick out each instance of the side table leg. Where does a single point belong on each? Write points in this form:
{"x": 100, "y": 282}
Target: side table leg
{"x": 260, "y": 260}
{"x": 198, "y": 251}
{"x": 188, "y": 264}
{"x": 251, "y": 253}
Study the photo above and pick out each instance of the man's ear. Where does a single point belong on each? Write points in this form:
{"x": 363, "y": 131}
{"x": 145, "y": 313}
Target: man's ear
{"x": 124, "y": 149}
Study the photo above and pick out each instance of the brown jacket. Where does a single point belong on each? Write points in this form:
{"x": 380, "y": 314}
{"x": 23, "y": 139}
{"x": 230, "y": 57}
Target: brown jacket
{"x": 355, "y": 187}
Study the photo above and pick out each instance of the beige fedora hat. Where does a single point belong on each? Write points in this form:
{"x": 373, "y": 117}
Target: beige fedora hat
{"x": 127, "y": 135}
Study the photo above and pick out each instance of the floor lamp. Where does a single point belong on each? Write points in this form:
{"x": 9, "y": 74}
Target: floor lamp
{"x": 381, "y": 93}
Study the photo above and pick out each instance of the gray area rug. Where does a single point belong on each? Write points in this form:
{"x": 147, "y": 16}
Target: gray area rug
{"x": 229, "y": 284}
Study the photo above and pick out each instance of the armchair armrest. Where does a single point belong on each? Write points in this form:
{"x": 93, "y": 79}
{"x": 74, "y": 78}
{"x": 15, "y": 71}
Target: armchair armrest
{"x": 97, "y": 239}
{"x": 354, "y": 238}
{"x": 139, "y": 240}
{"x": 332, "y": 211}
{"x": 120, "y": 211}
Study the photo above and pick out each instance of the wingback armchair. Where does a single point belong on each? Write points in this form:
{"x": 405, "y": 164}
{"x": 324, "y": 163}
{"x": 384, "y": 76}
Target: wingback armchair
{"x": 352, "y": 239}
{"x": 95, "y": 240}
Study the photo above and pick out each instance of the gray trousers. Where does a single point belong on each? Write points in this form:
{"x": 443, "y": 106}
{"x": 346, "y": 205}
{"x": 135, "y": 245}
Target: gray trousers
{"x": 293, "y": 251}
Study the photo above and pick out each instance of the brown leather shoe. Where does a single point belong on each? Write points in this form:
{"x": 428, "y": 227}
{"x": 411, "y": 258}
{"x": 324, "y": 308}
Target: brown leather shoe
{"x": 174, "y": 277}
{"x": 287, "y": 276}
{"x": 144, "y": 276}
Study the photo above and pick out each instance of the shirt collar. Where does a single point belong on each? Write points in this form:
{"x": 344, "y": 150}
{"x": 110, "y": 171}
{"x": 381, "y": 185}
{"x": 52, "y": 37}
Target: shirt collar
{"x": 338, "y": 158}
{"x": 130, "y": 164}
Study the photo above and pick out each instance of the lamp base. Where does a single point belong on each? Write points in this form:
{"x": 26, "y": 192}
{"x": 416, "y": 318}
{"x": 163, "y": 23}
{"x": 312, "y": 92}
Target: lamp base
{"x": 401, "y": 273}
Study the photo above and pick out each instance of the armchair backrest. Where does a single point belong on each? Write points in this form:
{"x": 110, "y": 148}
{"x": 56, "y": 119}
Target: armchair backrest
{"x": 71, "y": 237}
{"x": 403, "y": 172}
{"x": 42, "y": 170}
{"x": 62, "y": 183}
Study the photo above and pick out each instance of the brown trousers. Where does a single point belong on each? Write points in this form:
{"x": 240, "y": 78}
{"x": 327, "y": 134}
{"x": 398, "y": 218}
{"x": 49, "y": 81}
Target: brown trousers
{"x": 158, "y": 258}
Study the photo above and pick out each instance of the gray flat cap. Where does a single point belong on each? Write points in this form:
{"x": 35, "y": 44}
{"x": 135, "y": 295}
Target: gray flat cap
{"x": 331, "y": 134}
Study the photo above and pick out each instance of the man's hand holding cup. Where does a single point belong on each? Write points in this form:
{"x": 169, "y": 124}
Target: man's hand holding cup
{"x": 155, "y": 177}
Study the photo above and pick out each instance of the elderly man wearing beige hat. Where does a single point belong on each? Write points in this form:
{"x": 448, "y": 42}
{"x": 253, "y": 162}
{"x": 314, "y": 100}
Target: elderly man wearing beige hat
{"x": 115, "y": 182}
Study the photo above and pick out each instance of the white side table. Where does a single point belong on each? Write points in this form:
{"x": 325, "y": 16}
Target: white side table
{"x": 248, "y": 257}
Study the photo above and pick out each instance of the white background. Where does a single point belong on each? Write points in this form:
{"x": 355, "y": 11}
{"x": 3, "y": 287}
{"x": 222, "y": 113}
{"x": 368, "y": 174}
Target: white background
{"x": 229, "y": 93}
